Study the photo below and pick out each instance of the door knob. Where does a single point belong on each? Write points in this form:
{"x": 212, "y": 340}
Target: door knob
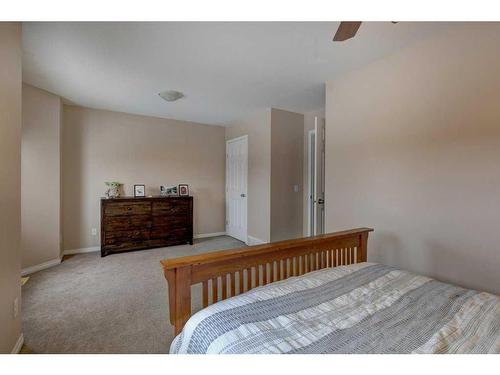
{"x": 321, "y": 201}
{"x": 242, "y": 195}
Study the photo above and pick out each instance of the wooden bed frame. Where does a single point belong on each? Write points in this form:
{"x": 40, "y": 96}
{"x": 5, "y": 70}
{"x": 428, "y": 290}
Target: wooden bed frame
{"x": 231, "y": 272}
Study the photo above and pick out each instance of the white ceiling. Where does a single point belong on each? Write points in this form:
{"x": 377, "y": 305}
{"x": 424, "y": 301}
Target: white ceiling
{"x": 225, "y": 70}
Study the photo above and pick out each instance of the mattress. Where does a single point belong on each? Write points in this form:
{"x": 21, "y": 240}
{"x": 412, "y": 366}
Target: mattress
{"x": 361, "y": 308}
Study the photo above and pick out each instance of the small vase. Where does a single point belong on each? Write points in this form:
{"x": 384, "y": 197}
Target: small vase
{"x": 113, "y": 190}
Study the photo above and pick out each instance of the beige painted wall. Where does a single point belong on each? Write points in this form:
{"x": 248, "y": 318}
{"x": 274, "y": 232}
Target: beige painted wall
{"x": 101, "y": 146}
{"x": 413, "y": 150}
{"x": 258, "y": 128}
{"x": 40, "y": 177}
{"x": 275, "y": 152}
{"x": 10, "y": 182}
{"x": 287, "y": 155}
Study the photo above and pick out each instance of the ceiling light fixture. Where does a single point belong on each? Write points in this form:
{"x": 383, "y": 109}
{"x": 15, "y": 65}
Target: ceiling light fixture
{"x": 171, "y": 95}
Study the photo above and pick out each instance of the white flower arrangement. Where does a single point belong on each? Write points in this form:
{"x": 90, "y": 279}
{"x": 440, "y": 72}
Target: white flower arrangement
{"x": 113, "y": 189}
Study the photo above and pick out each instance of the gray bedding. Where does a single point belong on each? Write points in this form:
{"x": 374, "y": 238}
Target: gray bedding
{"x": 362, "y": 308}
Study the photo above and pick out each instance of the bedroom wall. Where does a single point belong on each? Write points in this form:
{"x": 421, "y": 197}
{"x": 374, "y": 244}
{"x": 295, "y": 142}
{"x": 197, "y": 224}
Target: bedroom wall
{"x": 101, "y": 146}
{"x": 40, "y": 177}
{"x": 275, "y": 162}
{"x": 10, "y": 184}
{"x": 258, "y": 128}
{"x": 287, "y": 154}
{"x": 413, "y": 150}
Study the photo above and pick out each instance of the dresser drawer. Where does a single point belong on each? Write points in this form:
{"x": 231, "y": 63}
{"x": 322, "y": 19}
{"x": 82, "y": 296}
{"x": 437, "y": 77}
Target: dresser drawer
{"x": 171, "y": 207}
{"x": 116, "y": 237}
{"x": 171, "y": 221}
{"x": 127, "y": 208}
{"x": 123, "y": 223}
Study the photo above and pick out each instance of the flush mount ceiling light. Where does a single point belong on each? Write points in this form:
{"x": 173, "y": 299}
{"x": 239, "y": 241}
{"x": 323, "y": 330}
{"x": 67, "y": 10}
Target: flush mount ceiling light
{"x": 171, "y": 95}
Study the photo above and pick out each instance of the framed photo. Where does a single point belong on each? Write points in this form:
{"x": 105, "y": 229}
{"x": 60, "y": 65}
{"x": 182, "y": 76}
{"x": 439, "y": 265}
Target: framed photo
{"x": 172, "y": 191}
{"x": 139, "y": 190}
{"x": 163, "y": 191}
{"x": 183, "y": 190}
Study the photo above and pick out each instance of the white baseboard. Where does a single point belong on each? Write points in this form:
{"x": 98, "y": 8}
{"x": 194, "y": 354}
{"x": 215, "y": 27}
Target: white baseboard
{"x": 41, "y": 266}
{"x": 254, "y": 241}
{"x": 82, "y": 250}
{"x": 206, "y": 235}
{"x": 19, "y": 344}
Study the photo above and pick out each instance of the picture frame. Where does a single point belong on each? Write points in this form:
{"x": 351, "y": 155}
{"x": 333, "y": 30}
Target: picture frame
{"x": 183, "y": 190}
{"x": 139, "y": 191}
{"x": 172, "y": 191}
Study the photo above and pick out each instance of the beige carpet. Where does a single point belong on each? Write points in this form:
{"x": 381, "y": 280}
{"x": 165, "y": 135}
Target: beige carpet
{"x": 116, "y": 304}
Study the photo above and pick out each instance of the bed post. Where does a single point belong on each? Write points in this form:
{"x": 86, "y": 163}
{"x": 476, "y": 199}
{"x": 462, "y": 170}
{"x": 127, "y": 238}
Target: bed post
{"x": 362, "y": 248}
{"x": 179, "y": 296}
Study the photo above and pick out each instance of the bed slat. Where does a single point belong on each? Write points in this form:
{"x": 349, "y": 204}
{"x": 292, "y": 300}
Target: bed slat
{"x": 249, "y": 279}
{"x": 205, "y": 293}
{"x": 224, "y": 287}
{"x": 241, "y": 279}
{"x": 215, "y": 288}
{"x": 232, "y": 276}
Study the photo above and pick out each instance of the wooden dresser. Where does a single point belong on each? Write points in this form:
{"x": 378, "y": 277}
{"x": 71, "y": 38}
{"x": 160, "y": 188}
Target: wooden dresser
{"x": 143, "y": 223}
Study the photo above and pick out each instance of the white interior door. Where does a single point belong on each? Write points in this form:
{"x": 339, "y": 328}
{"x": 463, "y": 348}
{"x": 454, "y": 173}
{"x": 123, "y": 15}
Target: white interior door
{"x": 236, "y": 187}
{"x": 316, "y": 177}
{"x": 319, "y": 127}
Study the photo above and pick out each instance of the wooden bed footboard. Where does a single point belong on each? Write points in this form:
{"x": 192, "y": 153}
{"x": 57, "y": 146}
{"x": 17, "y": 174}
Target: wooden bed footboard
{"x": 228, "y": 273}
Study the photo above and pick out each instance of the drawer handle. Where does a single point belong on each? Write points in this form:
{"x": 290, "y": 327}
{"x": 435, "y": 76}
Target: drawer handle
{"x": 129, "y": 208}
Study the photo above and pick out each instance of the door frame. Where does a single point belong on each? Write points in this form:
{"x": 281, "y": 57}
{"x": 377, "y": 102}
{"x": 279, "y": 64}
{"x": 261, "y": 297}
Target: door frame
{"x": 311, "y": 191}
{"x": 320, "y": 149}
{"x": 243, "y": 137}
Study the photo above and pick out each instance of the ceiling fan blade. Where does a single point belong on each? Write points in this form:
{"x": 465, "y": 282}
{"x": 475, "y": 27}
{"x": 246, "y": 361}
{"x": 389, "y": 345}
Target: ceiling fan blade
{"x": 346, "y": 31}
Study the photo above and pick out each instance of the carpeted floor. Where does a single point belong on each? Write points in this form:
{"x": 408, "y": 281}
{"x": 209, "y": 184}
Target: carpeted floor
{"x": 116, "y": 304}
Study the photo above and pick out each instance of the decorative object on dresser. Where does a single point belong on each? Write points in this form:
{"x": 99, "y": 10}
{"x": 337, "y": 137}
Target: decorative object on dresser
{"x": 172, "y": 191}
{"x": 113, "y": 190}
{"x": 139, "y": 190}
{"x": 130, "y": 223}
{"x": 183, "y": 190}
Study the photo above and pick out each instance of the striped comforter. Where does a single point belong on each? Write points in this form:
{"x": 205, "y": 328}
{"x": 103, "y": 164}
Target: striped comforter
{"x": 362, "y": 308}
